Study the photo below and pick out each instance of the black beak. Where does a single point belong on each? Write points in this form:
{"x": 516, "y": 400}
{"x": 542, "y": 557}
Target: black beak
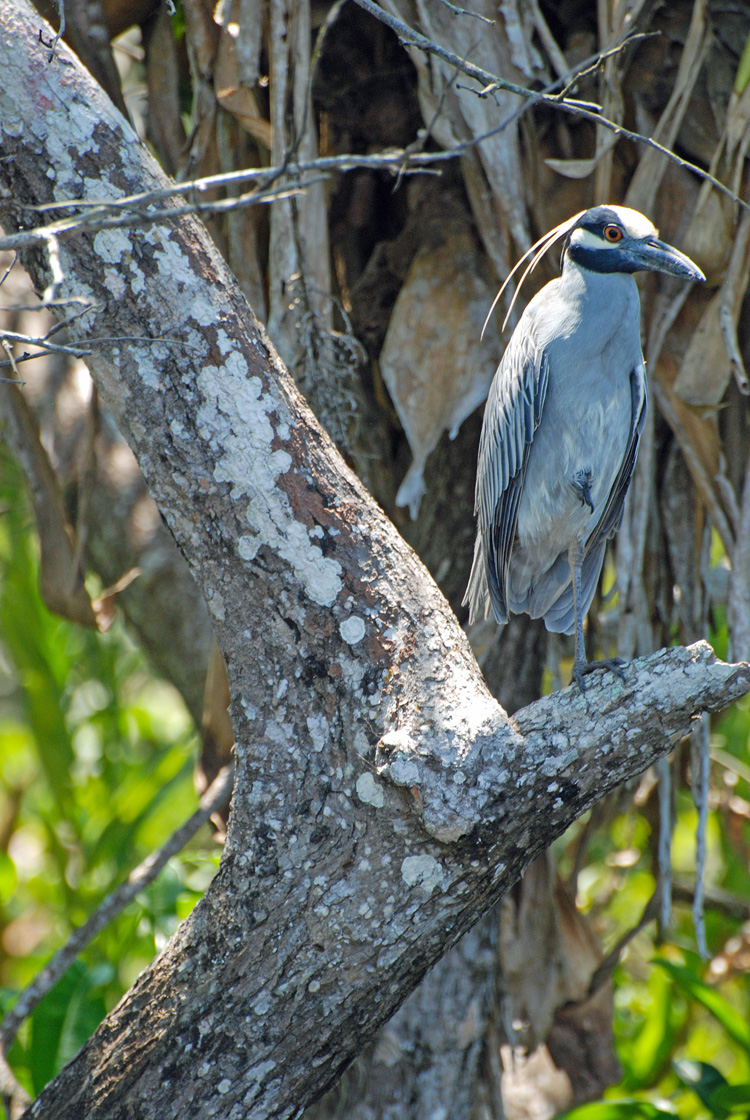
{"x": 656, "y": 256}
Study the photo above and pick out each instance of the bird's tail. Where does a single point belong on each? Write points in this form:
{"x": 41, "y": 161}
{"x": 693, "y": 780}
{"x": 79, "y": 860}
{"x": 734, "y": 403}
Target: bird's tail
{"x": 477, "y": 595}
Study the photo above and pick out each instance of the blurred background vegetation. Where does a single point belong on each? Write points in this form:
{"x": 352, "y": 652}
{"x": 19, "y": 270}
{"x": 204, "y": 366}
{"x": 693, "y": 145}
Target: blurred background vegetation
{"x": 102, "y": 729}
{"x": 96, "y": 769}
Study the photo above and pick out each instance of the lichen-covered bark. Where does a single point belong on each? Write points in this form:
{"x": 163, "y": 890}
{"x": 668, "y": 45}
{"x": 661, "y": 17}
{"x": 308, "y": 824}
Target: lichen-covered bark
{"x": 384, "y": 800}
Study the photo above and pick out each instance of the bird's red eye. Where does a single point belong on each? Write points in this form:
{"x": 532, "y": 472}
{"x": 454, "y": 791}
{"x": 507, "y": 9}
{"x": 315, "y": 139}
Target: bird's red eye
{"x": 612, "y": 234}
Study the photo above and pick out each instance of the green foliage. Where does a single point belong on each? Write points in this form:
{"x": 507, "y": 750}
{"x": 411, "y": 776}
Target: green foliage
{"x": 96, "y": 759}
{"x": 682, "y": 1027}
{"x": 617, "y": 1110}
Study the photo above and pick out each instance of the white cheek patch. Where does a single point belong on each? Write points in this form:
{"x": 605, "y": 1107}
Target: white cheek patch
{"x": 585, "y": 239}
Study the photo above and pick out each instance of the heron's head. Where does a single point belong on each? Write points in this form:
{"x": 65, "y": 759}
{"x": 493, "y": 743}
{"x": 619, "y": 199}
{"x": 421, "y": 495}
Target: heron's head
{"x": 604, "y": 239}
{"x": 617, "y": 239}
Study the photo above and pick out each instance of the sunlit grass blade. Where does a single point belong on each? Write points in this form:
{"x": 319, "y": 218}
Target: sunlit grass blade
{"x": 735, "y": 1024}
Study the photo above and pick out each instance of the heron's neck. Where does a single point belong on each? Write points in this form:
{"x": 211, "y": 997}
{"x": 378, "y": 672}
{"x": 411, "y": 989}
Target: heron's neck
{"x": 594, "y": 285}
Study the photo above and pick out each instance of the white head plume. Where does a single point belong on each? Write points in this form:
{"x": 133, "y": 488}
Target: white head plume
{"x": 539, "y": 248}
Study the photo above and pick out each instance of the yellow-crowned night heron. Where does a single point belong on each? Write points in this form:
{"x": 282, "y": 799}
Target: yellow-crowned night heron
{"x": 562, "y": 424}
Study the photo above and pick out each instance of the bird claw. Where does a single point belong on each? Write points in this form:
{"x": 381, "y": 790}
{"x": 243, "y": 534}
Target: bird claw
{"x": 582, "y": 669}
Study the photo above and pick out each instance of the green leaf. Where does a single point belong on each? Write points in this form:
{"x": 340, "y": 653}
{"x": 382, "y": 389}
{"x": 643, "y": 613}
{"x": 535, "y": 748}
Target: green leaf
{"x": 645, "y": 1056}
{"x": 705, "y": 1081}
{"x": 616, "y": 1110}
{"x": 8, "y": 877}
{"x": 733, "y": 1098}
{"x": 735, "y": 1024}
{"x": 62, "y": 1022}
{"x": 743, "y": 70}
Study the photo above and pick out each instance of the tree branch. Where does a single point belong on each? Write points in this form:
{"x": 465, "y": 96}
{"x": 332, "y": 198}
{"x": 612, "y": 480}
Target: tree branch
{"x": 559, "y": 101}
{"x": 383, "y": 799}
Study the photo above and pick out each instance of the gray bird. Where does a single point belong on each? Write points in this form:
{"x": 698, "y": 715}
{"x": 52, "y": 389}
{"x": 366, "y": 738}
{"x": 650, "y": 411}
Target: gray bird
{"x": 562, "y": 423}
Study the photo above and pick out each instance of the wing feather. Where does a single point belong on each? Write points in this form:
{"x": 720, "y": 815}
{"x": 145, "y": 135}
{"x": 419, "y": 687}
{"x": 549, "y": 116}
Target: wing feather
{"x": 610, "y": 520}
{"x": 511, "y": 417}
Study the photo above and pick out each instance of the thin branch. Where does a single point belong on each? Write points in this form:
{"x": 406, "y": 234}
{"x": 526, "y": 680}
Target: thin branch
{"x": 99, "y": 215}
{"x": 612, "y": 959}
{"x": 15, "y": 1097}
{"x": 412, "y": 38}
{"x": 553, "y": 101}
{"x": 71, "y": 351}
{"x": 591, "y": 66}
{"x": 215, "y": 798}
{"x": 399, "y": 161}
{"x": 9, "y": 269}
{"x": 48, "y": 347}
{"x": 465, "y": 12}
{"x": 16, "y": 378}
{"x": 97, "y": 219}
{"x": 52, "y": 45}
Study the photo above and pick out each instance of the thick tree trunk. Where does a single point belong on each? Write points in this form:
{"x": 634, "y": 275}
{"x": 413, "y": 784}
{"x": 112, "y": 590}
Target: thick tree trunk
{"x": 384, "y": 800}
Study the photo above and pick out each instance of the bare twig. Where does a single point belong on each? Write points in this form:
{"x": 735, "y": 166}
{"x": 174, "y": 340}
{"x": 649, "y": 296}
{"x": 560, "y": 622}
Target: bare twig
{"x": 400, "y": 161}
{"x": 9, "y": 269}
{"x": 49, "y": 347}
{"x": 610, "y": 962}
{"x": 592, "y": 65}
{"x": 52, "y": 45}
{"x": 75, "y": 351}
{"x": 16, "y": 378}
{"x": 465, "y": 12}
{"x": 98, "y": 218}
{"x": 215, "y": 797}
{"x": 553, "y": 101}
{"x": 15, "y": 1097}
{"x": 99, "y": 214}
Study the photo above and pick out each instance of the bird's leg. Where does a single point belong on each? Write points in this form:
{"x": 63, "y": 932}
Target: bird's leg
{"x": 581, "y": 485}
{"x": 580, "y": 665}
{"x": 575, "y": 559}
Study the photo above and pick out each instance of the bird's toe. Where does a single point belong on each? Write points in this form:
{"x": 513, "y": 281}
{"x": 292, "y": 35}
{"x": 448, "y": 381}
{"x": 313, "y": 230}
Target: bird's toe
{"x": 582, "y": 669}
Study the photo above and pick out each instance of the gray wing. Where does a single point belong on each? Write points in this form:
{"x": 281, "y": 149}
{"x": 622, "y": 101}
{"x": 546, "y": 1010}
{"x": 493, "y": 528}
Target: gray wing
{"x": 611, "y": 519}
{"x": 511, "y": 417}
{"x": 561, "y": 617}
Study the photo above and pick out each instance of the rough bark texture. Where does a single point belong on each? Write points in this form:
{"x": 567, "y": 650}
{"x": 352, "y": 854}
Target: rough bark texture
{"x": 384, "y": 800}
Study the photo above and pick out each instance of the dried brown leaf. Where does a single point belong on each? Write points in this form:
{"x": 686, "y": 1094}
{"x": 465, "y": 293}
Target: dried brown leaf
{"x": 547, "y": 950}
{"x": 232, "y": 94}
{"x": 714, "y": 353}
{"x": 453, "y": 113}
{"x": 164, "y": 121}
{"x": 706, "y": 368}
{"x": 434, "y": 362}
{"x": 574, "y": 168}
{"x": 652, "y": 166}
{"x": 299, "y": 300}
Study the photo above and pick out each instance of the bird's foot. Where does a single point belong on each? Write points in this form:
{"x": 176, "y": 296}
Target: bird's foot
{"x": 581, "y": 485}
{"x": 582, "y": 669}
